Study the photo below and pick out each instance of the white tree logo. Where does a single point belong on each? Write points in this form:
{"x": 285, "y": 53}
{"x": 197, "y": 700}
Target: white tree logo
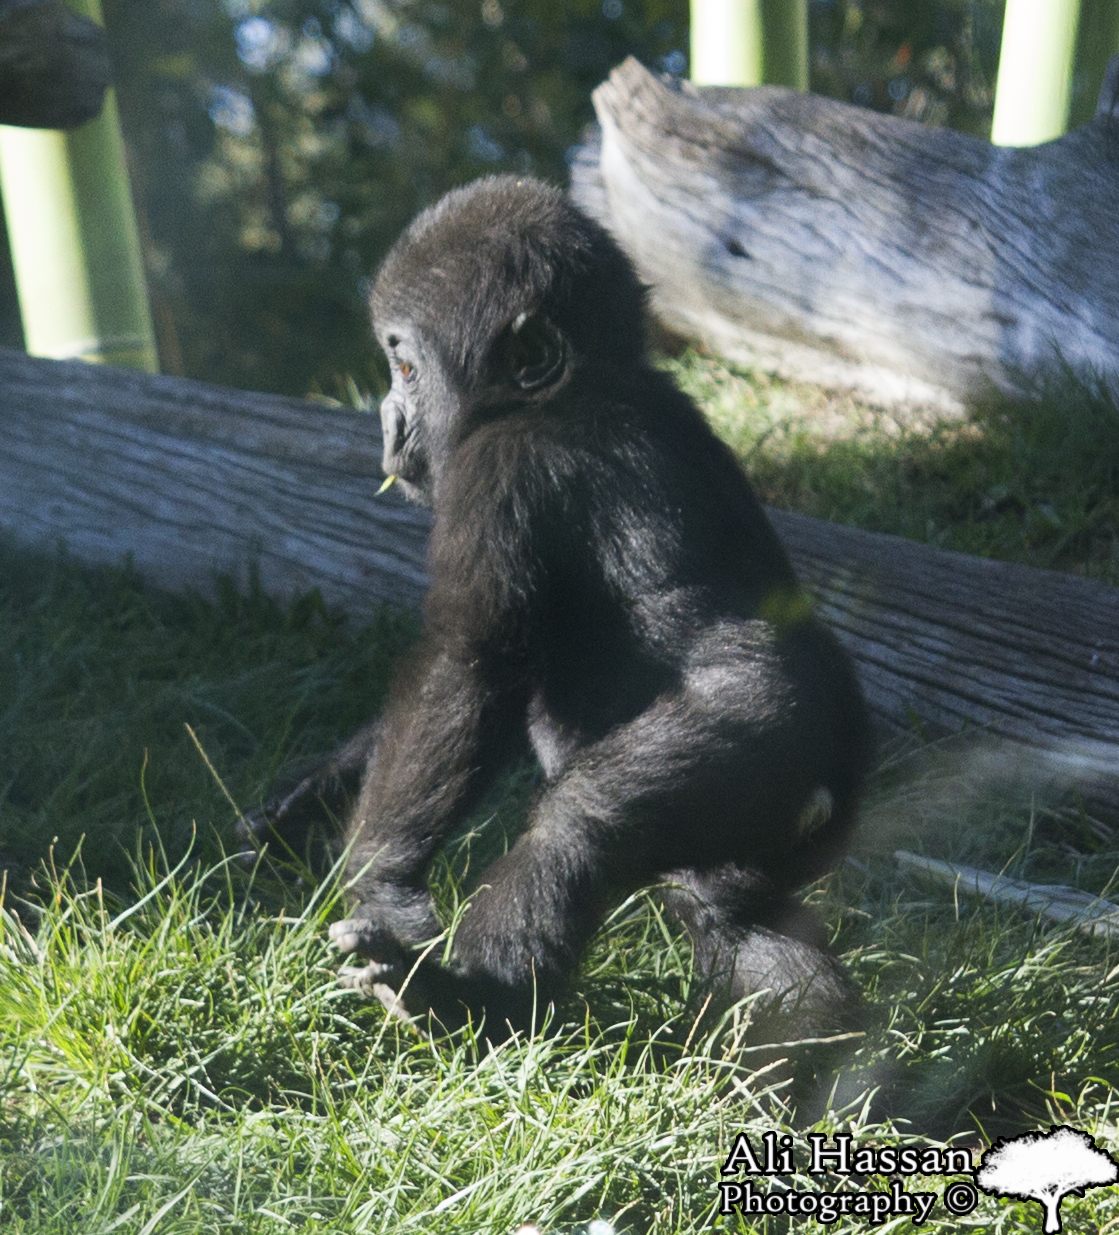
{"x": 1045, "y": 1167}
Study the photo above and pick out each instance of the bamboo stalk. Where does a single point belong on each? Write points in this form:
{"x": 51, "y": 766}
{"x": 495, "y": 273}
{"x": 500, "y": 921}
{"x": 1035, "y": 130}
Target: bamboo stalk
{"x": 785, "y": 43}
{"x": 726, "y": 42}
{"x": 75, "y": 246}
{"x": 749, "y": 42}
{"x": 1097, "y": 40}
{"x": 1034, "y": 89}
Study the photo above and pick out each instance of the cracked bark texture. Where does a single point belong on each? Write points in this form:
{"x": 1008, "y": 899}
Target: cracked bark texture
{"x": 826, "y": 242}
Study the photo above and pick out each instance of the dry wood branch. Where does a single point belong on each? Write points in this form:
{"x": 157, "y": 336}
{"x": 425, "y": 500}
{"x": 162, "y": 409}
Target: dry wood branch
{"x": 1091, "y": 914}
{"x": 831, "y": 243}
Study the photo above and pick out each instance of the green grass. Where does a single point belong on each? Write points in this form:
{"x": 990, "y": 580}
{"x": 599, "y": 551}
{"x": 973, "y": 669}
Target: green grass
{"x": 1036, "y": 483}
{"x": 99, "y": 678}
{"x": 176, "y": 1056}
{"x": 181, "y": 1060}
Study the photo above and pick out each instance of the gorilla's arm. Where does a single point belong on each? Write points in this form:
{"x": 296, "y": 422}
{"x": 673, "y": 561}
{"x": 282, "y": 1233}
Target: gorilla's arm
{"x": 458, "y": 707}
{"x": 445, "y": 735}
{"x": 331, "y": 784}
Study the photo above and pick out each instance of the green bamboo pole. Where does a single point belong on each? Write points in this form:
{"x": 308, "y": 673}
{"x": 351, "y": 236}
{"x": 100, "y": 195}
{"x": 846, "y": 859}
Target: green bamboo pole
{"x": 1034, "y": 86}
{"x": 75, "y": 246}
{"x": 748, "y": 42}
{"x": 726, "y": 42}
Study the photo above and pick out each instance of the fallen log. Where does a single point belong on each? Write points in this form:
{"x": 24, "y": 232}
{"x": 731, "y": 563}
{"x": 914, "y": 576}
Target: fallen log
{"x": 951, "y": 642}
{"x": 827, "y": 242}
{"x": 193, "y": 480}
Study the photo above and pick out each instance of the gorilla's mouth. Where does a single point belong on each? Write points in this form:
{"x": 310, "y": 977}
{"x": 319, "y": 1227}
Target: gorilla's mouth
{"x": 412, "y": 475}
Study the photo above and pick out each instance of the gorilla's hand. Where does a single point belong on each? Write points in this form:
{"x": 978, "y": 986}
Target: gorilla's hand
{"x": 389, "y": 973}
{"x": 323, "y": 791}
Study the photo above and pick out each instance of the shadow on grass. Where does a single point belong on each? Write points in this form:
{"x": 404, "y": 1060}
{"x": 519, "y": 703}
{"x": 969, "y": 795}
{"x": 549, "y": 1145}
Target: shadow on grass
{"x": 100, "y": 675}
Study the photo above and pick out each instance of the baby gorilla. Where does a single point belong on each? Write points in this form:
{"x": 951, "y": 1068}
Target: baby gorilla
{"x": 605, "y": 592}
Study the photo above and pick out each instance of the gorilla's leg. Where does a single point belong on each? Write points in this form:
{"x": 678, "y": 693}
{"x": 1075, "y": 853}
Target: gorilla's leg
{"x": 705, "y": 777}
{"x": 749, "y": 941}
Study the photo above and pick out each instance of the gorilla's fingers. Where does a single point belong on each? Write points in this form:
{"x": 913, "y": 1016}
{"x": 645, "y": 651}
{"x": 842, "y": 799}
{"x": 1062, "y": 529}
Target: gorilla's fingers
{"x": 346, "y": 935}
{"x": 323, "y": 790}
{"x": 366, "y": 977}
{"x": 380, "y": 981}
{"x": 286, "y": 818}
{"x": 391, "y": 1002}
{"x": 366, "y": 939}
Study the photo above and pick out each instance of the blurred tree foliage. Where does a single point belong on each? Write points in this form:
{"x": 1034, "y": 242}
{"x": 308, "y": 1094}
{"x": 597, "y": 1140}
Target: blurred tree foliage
{"x": 278, "y": 146}
{"x": 929, "y": 60}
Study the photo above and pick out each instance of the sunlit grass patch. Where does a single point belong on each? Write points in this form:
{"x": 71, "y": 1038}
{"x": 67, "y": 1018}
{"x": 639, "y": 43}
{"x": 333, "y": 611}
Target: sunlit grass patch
{"x": 1033, "y": 482}
{"x": 183, "y": 1061}
{"x": 193, "y": 1049}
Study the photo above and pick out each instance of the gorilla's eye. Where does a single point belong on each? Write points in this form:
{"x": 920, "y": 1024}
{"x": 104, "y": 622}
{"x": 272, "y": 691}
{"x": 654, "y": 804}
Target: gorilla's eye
{"x": 406, "y": 369}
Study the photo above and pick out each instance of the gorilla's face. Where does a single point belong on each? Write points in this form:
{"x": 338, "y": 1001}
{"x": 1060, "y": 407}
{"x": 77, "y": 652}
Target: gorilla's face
{"x": 418, "y": 412}
{"x": 430, "y": 399}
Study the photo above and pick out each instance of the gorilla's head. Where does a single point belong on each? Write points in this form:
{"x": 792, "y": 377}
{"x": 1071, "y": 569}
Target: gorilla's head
{"x": 492, "y": 298}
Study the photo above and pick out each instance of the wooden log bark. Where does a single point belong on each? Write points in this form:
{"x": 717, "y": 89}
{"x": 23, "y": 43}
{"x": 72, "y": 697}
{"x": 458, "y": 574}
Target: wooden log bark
{"x": 1016, "y": 655}
{"x": 192, "y": 480}
{"x": 827, "y": 242}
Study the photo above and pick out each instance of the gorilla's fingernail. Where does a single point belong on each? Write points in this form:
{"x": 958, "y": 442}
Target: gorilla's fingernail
{"x": 343, "y": 935}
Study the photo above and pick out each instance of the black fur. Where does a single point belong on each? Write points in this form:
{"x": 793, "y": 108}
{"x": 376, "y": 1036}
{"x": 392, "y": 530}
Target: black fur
{"x": 607, "y": 592}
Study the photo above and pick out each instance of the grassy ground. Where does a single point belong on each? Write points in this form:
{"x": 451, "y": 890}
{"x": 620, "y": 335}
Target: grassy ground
{"x": 1035, "y": 483}
{"x": 175, "y": 1056}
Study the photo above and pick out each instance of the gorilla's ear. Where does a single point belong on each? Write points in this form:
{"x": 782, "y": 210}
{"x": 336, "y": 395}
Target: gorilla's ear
{"x": 532, "y": 352}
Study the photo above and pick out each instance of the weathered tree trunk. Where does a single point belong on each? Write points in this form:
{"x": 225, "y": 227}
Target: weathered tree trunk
{"x": 955, "y": 642}
{"x": 831, "y": 243}
{"x": 193, "y": 480}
